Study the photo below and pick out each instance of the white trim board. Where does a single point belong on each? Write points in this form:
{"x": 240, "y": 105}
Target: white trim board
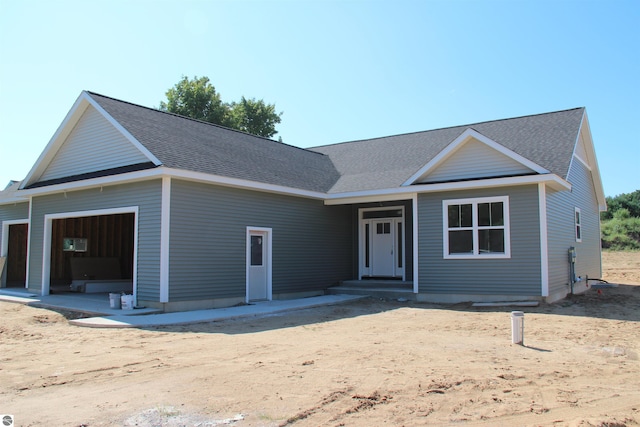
{"x": 362, "y": 238}
{"x": 416, "y": 259}
{"x": 554, "y": 182}
{"x": 544, "y": 244}
{"x": 165, "y": 232}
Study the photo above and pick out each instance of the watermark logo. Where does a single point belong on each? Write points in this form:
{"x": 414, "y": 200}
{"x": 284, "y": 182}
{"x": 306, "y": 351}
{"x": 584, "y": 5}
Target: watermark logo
{"x": 7, "y": 420}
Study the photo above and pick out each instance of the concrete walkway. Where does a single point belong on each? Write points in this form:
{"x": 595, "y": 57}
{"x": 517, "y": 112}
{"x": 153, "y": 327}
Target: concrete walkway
{"x": 143, "y": 318}
{"x": 93, "y": 304}
{"x": 217, "y": 314}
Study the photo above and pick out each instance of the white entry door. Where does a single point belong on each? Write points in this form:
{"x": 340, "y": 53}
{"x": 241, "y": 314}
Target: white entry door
{"x": 258, "y": 265}
{"x": 383, "y": 248}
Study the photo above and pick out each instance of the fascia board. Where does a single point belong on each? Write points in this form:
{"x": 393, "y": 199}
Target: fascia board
{"x": 585, "y": 130}
{"x": 553, "y": 181}
{"x": 94, "y": 182}
{"x": 160, "y": 172}
{"x": 457, "y": 143}
{"x": 58, "y": 138}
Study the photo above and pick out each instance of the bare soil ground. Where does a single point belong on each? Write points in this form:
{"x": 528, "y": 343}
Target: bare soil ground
{"x": 368, "y": 363}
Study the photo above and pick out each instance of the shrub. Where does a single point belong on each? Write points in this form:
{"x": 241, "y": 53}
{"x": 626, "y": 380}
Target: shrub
{"x": 622, "y": 232}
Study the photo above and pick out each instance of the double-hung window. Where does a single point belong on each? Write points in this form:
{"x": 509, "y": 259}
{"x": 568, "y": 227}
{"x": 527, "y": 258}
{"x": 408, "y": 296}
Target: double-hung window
{"x": 476, "y": 228}
{"x": 578, "y": 223}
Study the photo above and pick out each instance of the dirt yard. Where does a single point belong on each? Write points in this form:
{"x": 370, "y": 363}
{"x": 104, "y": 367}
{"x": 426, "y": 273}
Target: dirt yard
{"x": 369, "y": 363}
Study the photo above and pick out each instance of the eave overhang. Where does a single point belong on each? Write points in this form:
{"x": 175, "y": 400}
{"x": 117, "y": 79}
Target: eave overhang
{"x": 553, "y": 181}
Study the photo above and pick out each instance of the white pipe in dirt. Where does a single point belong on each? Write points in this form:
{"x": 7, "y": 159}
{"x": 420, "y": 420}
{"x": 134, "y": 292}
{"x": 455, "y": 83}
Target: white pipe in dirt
{"x": 517, "y": 327}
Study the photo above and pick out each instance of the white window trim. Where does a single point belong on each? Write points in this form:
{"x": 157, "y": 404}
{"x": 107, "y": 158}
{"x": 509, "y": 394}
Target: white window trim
{"x": 475, "y": 228}
{"x": 577, "y": 224}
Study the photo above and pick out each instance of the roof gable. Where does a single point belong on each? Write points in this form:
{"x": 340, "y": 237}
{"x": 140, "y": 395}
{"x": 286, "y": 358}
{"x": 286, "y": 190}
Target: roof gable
{"x": 89, "y": 140}
{"x": 584, "y": 152}
{"x": 93, "y": 145}
{"x": 472, "y": 156}
{"x": 542, "y": 142}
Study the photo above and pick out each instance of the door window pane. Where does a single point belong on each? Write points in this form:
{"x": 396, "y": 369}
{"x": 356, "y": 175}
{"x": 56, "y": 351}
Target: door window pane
{"x": 393, "y": 213}
{"x": 256, "y": 250}
{"x": 383, "y": 228}
{"x": 366, "y": 245}
{"x": 399, "y": 245}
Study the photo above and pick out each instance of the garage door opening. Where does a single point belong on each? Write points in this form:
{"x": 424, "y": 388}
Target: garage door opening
{"x": 90, "y": 253}
{"x": 16, "y": 261}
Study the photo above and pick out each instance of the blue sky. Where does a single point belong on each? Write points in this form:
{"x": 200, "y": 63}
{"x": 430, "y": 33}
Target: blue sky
{"x": 339, "y": 70}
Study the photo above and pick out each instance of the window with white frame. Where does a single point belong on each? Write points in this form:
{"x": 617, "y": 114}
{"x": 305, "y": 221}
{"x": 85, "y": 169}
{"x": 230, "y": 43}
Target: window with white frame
{"x": 476, "y": 228}
{"x": 578, "y": 223}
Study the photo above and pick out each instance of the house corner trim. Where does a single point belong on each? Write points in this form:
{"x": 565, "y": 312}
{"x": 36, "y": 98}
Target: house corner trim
{"x": 544, "y": 248}
{"x": 165, "y": 231}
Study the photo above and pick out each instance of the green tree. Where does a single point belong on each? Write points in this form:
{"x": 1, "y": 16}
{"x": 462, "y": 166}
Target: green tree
{"x": 198, "y": 99}
{"x": 255, "y": 117}
{"x": 620, "y": 225}
{"x": 628, "y": 201}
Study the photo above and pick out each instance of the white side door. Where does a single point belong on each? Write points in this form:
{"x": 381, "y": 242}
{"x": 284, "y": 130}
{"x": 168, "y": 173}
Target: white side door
{"x": 258, "y": 265}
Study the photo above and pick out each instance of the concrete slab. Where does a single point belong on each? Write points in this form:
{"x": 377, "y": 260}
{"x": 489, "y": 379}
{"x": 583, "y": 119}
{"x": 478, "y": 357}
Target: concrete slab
{"x": 507, "y": 304}
{"x": 199, "y": 316}
{"x": 17, "y": 292}
{"x": 92, "y": 304}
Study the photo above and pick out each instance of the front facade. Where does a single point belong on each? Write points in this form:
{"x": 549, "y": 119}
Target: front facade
{"x": 198, "y": 216}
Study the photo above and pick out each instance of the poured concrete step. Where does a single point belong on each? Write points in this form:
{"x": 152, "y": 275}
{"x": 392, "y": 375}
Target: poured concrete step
{"x": 388, "y": 289}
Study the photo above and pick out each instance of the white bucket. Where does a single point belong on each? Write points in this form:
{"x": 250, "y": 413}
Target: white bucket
{"x": 127, "y": 302}
{"x": 114, "y": 301}
{"x": 517, "y": 327}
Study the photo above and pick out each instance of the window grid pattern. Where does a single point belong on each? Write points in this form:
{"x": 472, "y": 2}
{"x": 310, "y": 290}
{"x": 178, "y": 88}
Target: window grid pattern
{"x": 476, "y": 228}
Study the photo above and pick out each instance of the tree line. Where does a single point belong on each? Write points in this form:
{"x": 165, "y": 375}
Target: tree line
{"x": 620, "y": 224}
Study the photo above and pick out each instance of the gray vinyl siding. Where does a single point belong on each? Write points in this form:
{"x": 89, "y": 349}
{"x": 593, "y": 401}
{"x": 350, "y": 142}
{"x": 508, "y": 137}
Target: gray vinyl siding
{"x": 93, "y": 145}
{"x": 475, "y": 160}
{"x": 312, "y": 243}
{"x": 13, "y": 212}
{"x": 518, "y": 275}
{"x": 561, "y": 235}
{"x": 145, "y": 195}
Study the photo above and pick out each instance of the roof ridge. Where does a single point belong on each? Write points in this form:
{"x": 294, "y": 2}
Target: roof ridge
{"x": 469, "y": 125}
{"x": 156, "y": 110}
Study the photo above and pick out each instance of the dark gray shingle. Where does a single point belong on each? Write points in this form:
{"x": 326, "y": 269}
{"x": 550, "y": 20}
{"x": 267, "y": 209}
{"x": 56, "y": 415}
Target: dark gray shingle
{"x": 546, "y": 139}
{"x": 182, "y": 143}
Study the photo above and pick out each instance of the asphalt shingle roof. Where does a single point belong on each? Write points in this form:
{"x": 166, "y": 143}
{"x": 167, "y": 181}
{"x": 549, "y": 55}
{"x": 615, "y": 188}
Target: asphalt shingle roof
{"x": 546, "y": 139}
{"x": 182, "y": 143}
{"x": 187, "y": 144}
